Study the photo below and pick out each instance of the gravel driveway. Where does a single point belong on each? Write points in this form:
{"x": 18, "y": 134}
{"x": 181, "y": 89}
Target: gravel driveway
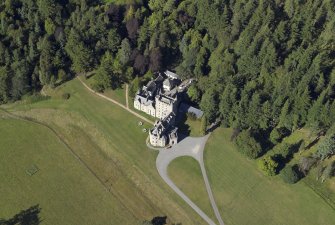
{"x": 194, "y": 148}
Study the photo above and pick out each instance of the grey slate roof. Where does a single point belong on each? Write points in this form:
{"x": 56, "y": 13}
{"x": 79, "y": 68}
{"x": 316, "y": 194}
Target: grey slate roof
{"x": 166, "y": 99}
{"x": 159, "y": 78}
{"x": 171, "y": 75}
{"x": 143, "y": 100}
{"x": 168, "y": 82}
{"x": 189, "y": 109}
{"x": 164, "y": 125}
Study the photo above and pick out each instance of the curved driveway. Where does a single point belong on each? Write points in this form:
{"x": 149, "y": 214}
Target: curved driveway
{"x": 194, "y": 148}
{"x": 189, "y": 146}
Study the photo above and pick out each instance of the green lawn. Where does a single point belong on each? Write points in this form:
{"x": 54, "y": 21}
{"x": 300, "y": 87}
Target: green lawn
{"x": 110, "y": 141}
{"x": 326, "y": 189}
{"x": 190, "y": 126}
{"x": 245, "y": 196}
{"x": 64, "y": 189}
{"x": 296, "y": 137}
{"x": 182, "y": 171}
{"x": 118, "y": 94}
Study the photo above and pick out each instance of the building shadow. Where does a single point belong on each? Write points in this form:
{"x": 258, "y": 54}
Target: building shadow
{"x": 182, "y": 136}
{"x": 28, "y": 216}
{"x": 184, "y": 129}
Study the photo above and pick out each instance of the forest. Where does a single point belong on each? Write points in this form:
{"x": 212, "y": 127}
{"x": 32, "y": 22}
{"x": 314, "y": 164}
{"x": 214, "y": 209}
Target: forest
{"x": 264, "y": 67}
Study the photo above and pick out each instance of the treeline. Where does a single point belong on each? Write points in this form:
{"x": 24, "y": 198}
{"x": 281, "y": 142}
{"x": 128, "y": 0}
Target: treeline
{"x": 260, "y": 65}
{"x": 46, "y": 42}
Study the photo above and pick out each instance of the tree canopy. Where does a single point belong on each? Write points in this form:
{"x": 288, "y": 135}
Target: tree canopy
{"x": 247, "y": 144}
{"x": 267, "y": 66}
{"x": 259, "y": 64}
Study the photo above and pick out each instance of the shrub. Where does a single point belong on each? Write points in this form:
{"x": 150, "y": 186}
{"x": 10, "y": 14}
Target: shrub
{"x": 302, "y": 146}
{"x": 194, "y": 93}
{"x": 284, "y": 150}
{"x": 62, "y": 76}
{"x": 306, "y": 163}
{"x": 277, "y": 134}
{"x": 268, "y": 165}
{"x": 66, "y": 96}
{"x": 326, "y": 148}
{"x": 287, "y": 150}
{"x": 191, "y": 116}
{"x": 203, "y": 127}
{"x": 247, "y": 145}
{"x": 235, "y": 133}
{"x": 36, "y": 97}
{"x": 290, "y": 174}
{"x": 134, "y": 86}
{"x": 319, "y": 171}
{"x": 97, "y": 87}
{"x": 329, "y": 171}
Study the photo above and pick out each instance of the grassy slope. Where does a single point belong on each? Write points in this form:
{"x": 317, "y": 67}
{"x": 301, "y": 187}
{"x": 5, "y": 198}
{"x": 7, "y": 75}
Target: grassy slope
{"x": 327, "y": 189}
{"x": 117, "y": 94}
{"x": 109, "y": 140}
{"x": 65, "y": 190}
{"x": 181, "y": 174}
{"x": 193, "y": 127}
{"x": 246, "y": 197}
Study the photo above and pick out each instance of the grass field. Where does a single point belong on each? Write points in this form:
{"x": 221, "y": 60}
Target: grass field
{"x": 190, "y": 127}
{"x": 325, "y": 189}
{"x": 111, "y": 143}
{"x": 117, "y": 94}
{"x": 109, "y": 140}
{"x": 62, "y": 186}
{"x": 244, "y": 195}
{"x": 186, "y": 175}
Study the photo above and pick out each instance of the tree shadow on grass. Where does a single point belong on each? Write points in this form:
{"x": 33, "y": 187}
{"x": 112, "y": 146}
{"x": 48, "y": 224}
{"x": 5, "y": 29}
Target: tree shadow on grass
{"x": 262, "y": 137}
{"x": 316, "y": 140}
{"x": 282, "y": 161}
{"x": 159, "y": 220}
{"x": 28, "y": 216}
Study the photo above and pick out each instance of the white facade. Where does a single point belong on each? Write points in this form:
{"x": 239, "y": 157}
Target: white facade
{"x": 145, "y": 105}
{"x": 164, "y": 133}
{"x": 157, "y": 97}
{"x": 157, "y": 141}
{"x": 137, "y": 105}
{"x": 164, "y": 106}
{"x": 148, "y": 109}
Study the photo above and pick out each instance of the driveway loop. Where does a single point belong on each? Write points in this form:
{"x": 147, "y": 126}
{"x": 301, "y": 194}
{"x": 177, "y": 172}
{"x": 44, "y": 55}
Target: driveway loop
{"x": 193, "y": 147}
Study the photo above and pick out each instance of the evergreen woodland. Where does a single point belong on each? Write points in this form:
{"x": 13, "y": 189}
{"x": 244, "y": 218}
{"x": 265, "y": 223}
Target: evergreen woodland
{"x": 260, "y": 65}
